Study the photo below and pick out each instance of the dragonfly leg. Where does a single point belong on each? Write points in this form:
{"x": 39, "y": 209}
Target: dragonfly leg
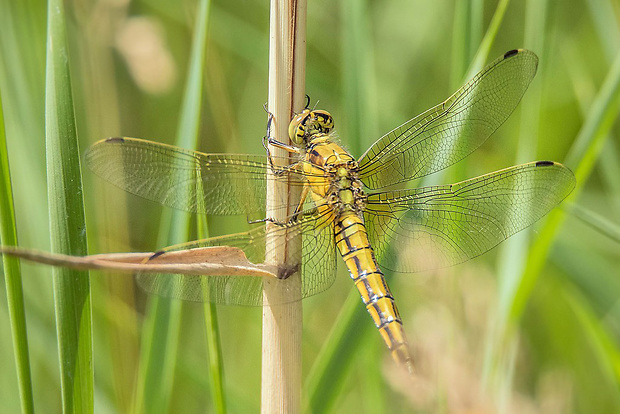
{"x": 302, "y": 200}
{"x": 272, "y": 141}
{"x": 268, "y": 140}
{"x": 278, "y": 223}
{"x": 293, "y": 218}
{"x": 278, "y": 171}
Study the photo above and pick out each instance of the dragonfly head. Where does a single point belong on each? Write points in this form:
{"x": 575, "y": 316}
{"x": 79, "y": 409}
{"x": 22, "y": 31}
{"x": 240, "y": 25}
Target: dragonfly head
{"x": 308, "y": 123}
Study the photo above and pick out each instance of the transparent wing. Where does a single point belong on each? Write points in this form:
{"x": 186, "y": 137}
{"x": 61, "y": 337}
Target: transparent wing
{"x": 317, "y": 259}
{"x": 433, "y": 227}
{"x": 219, "y": 184}
{"x": 453, "y": 129}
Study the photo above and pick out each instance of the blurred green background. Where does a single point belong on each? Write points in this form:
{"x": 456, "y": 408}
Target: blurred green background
{"x": 373, "y": 65}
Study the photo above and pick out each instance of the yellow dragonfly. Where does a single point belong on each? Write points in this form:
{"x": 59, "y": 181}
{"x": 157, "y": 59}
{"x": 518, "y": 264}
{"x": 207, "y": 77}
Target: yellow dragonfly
{"x": 405, "y": 230}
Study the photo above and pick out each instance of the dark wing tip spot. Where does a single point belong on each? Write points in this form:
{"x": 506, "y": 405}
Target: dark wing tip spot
{"x": 157, "y": 254}
{"x": 115, "y": 140}
{"x": 545, "y": 163}
{"x": 511, "y": 53}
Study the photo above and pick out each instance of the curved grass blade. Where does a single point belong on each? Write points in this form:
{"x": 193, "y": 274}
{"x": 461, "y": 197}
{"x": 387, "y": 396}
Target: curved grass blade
{"x": 489, "y": 37}
{"x": 159, "y": 351}
{"x": 67, "y": 222}
{"x": 214, "y": 346}
{"x": 466, "y": 37}
{"x": 596, "y": 221}
{"x": 498, "y": 375}
{"x": 336, "y": 358}
{"x": 584, "y": 153}
{"x": 13, "y": 278}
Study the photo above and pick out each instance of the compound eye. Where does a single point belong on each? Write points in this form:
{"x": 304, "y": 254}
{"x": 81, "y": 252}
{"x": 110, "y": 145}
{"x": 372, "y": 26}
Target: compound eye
{"x": 297, "y": 127}
{"x": 323, "y": 120}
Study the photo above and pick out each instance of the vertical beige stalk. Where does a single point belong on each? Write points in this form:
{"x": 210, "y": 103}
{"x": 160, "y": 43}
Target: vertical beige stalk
{"x": 282, "y": 324}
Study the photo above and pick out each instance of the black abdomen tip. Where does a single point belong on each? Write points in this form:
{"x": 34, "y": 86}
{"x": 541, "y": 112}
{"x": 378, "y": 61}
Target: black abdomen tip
{"x": 545, "y": 163}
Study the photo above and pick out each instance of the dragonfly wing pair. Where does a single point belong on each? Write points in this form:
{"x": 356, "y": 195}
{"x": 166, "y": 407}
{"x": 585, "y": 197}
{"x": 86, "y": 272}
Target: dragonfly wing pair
{"x": 216, "y": 184}
{"x": 434, "y": 227}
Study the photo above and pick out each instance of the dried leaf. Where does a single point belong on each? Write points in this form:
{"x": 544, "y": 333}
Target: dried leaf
{"x": 206, "y": 261}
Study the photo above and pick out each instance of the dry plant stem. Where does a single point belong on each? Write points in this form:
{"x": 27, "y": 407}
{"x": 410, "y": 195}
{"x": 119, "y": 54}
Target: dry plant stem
{"x": 282, "y": 324}
{"x": 205, "y": 261}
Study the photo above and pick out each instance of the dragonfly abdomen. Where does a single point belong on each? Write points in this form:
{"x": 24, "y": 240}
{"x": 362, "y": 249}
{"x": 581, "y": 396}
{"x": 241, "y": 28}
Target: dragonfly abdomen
{"x": 352, "y": 242}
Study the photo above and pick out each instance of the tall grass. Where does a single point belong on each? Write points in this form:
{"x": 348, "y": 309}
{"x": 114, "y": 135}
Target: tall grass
{"x": 163, "y": 320}
{"x": 67, "y": 222}
{"x": 13, "y": 278}
{"x": 373, "y": 65}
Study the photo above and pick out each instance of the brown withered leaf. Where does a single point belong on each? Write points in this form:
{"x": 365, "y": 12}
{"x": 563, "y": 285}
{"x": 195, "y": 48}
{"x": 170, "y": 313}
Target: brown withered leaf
{"x": 206, "y": 261}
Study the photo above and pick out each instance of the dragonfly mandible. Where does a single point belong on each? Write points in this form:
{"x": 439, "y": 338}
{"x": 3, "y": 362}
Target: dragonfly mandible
{"x": 400, "y": 230}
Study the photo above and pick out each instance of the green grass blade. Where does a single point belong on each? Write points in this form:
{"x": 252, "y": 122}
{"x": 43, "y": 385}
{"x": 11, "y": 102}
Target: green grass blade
{"x": 513, "y": 253}
{"x": 583, "y": 154}
{"x": 67, "y": 223}
{"x": 157, "y": 356}
{"x": 164, "y": 317}
{"x": 460, "y": 43}
{"x": 332, "y": 366}
{"x": 466, "y": 38}
{"x": 482, "y": 55}
{"x": 189, "y": 124}
{"x": 605, "y": 24}
{"x": 570, "y": 328}
{"x": 214, "y": 347}
{"x": 599, "y": 223}
{"x": 605, "y": 347}
{"x": 216, "y": 367}
{"x": 192, "y": 96}
{"x": 602, "y": 116}
{"x": 359, "y": 89}
{"x": 469, "y": 55}
{"x": 13, "y": 278}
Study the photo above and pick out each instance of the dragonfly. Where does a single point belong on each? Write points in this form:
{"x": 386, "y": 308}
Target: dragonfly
{"x": 343, "y": 205}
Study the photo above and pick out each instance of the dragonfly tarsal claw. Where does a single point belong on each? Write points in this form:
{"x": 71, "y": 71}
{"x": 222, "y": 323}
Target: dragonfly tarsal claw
{"x": 274, "y": 221}
{"x": 270, "y": 118}
{"x": 257, "y": 221}
{"x": 268, "y": 220}
{"x": 265, "y": 142}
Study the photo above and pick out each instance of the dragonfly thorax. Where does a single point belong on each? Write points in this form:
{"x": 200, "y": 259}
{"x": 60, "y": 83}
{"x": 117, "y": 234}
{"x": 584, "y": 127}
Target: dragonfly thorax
{"x": 333, "y": 175}
{"x": 347, "y": 195}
